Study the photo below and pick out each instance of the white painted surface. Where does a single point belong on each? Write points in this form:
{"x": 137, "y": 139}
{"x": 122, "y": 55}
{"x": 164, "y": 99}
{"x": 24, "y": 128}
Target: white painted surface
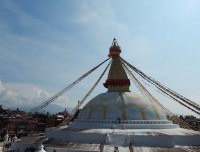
{"x": 140, "y": 137}
{"x": 121, "y": 106}
{"x": 41, "y": 148}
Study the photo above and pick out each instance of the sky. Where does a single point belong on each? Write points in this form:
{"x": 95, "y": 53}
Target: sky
{"x": 46, "y": 45}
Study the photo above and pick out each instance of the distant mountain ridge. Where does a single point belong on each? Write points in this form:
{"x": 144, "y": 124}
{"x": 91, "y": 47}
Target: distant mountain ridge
{"x": 52, "y": 108}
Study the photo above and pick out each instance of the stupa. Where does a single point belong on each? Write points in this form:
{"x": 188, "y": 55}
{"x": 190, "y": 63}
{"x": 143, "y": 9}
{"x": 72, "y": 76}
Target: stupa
{"x": 117, "y": 120}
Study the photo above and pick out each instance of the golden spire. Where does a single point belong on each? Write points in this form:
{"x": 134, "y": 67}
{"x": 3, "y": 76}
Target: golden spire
{"x": 117, "y": 79}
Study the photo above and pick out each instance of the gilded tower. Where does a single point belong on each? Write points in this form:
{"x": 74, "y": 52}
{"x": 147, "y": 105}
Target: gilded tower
{"x": 117, "y": 78}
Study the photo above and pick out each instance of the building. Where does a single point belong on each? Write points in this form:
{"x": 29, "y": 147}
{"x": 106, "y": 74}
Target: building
{"x": 117, "y": 120}
{"x": 20, "y": 123}
{"x": 192, "y": 121}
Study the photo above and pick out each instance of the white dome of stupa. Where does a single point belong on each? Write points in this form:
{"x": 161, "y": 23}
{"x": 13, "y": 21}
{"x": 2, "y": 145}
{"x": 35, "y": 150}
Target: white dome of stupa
{"x": 121, "y": 110}
{"x": 121, "y": 106}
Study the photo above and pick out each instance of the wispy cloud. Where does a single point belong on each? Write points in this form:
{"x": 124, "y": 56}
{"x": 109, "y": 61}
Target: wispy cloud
{"x": 31, "y": 47}
{"x": 13, "y": 95}
{"x": 99, "y": 19}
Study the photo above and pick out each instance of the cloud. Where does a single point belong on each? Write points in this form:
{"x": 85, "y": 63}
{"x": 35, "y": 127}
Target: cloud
{"x": 99, "y": 19}
{"x": 31, "y": 47}
{"x": 102, "y": 20}
{"x": 138, "y": 47}
{"x": 13, "y": 95}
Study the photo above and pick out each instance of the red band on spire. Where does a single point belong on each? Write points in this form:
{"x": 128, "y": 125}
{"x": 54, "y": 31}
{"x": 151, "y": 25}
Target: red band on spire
{"x": 116, "y": 82}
